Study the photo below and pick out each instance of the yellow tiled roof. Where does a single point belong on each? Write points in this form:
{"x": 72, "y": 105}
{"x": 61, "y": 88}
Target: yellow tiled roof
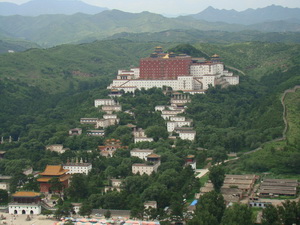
{"x": 54, "y": 170}
{"x": 26, "y": 194}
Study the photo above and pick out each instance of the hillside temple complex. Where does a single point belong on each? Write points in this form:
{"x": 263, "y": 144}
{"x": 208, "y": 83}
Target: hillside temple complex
{"x": 180, "y": 72}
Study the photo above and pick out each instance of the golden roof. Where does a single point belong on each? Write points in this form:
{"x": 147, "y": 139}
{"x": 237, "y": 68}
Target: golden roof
{"x": 26, "y": 194}
{"x": 166, "y": 56}
{"x": 47, "y": 179}
{"x": 54, "y": 170}
{"x": 215, "y": 56}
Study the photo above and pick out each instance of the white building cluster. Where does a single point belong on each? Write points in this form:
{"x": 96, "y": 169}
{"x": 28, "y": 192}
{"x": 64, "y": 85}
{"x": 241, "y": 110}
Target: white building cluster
{"x": 202, "y": 75}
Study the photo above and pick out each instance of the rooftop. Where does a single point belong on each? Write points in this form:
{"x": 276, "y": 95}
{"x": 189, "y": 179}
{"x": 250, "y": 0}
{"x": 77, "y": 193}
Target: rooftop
{"x": 26, "y": 194}
{"x": 54, "y": 170}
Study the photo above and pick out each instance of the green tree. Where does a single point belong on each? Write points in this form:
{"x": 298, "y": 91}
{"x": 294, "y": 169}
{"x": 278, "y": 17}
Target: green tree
{"x": 157, "y": 132}
{"x": 85, "y": 209}
{"x": 238, "y": 214}
{"x": 270, "y": 216}
{"x": 3, "y": 196}
{"x": 217, "y": 176}
{"x": 107, "y": 214}
{"x": 209, "y": 209}
{"x": 78, "y": 189}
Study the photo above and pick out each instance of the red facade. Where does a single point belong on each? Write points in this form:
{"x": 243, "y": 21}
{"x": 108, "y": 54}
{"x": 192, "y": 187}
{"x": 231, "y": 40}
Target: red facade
{"x": 164, "y": 68}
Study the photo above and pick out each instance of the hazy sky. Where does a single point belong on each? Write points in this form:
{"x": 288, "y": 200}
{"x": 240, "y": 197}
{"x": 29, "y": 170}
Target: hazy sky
{"x": 175, "y": 7}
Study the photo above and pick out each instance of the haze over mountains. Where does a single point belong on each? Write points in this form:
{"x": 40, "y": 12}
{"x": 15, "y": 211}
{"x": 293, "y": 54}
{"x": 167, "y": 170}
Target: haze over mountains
{"x": 78, "y": 22}
{"x": 40, "y": 7}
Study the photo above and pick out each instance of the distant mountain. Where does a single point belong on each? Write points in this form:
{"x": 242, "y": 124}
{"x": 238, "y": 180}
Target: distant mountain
{"x": 249, "y": 16}
{"x": 40, "y": 7}
{"x": 51, "y": 30}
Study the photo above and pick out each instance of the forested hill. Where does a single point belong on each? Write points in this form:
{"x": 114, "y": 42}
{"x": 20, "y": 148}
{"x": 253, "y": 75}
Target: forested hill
{"x": 45, "y": 92}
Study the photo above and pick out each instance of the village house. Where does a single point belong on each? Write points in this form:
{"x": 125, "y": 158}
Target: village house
{"x": 25, "y": 202}
{"x": 190, "y": 160}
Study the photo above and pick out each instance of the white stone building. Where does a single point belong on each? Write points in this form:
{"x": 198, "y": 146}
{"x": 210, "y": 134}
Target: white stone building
{"x": 187, "y": 135}
{"x": 25, "y": 202}
{"x": 101, "y": 102}
{"x": 141, "y": 153}
{"x": 109, "y": 109}
{"x": 141, "y": 139}
{"x": 142, "y": 168}
{"x": 78, "y": 167}
{"x": 88, "y": 120}
{"x": 99, "y": 133}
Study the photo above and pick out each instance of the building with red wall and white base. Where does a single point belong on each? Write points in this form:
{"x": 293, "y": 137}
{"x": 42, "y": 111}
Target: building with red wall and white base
{"x": 180, "y": 72}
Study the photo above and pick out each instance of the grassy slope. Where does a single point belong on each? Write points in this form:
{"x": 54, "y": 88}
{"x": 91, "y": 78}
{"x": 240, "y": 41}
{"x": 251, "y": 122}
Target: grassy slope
{"x": 292, "y": 101}
{"x": 53, "y": 69}
{"x": 256, "y": 59}
{"x": 280, "y": 159}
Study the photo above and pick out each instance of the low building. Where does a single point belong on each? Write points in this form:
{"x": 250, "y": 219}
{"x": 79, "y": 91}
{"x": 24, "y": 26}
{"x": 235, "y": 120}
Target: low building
{"x": 191, "y": 161}
{"x": 78, "y": 167}
{"x": 111, "y": 145}
{"x": 138, "y": 132}
{"x": 101, "y": 102}
{"x": 150, "y": 204}
{"x": 75, "y": 131}
{"x": 141, "y": 153}
{"x": 4, "y": 182}
{"x": 116, "y": 184}
{"x": 187, "y": 135}
{"x": 111, "y": 108}
{"x": 143, "y": 168}
{"x": 88, "y": 120}
{"x": 25, "y": 202}
{"x": 142, "y": 139}
{"x": 278, "y": 187}
{"x": 98, "y": 133}
{"x": 56, "y": 148}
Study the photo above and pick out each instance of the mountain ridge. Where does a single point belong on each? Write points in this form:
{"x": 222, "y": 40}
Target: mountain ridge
{"x": 248, "y": 16}
{"x": 40, "y": 7}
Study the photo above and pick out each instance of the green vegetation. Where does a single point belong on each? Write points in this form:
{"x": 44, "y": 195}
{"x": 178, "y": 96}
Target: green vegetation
{"x": 44, "y": 93}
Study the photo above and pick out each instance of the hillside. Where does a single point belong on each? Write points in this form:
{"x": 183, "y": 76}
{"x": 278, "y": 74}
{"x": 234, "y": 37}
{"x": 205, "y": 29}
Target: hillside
{"x": 194, "y": 36}
{"x": 55, "y": 69}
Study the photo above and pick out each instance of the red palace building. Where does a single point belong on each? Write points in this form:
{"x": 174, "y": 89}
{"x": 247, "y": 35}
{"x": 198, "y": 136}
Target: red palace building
{"x": 50, "y": 172}
{"x": 164, "y": 66}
